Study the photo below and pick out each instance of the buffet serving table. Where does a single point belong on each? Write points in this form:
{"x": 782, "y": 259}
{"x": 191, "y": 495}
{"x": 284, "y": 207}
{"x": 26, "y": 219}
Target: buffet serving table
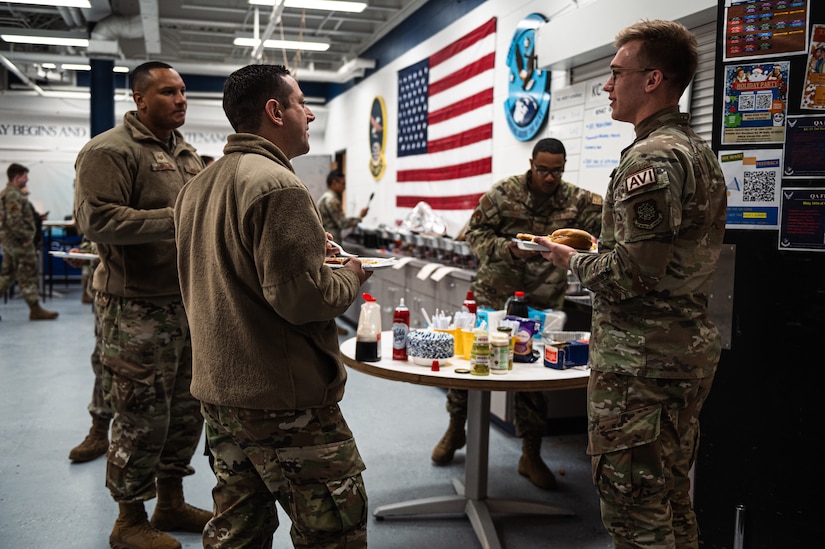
{"x": 471, "y": 497}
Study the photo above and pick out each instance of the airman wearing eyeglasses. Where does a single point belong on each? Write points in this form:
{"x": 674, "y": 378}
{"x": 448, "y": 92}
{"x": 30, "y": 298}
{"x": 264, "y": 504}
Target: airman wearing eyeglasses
{"x": 538, "y": 201}
{"x": 653, "y": 350}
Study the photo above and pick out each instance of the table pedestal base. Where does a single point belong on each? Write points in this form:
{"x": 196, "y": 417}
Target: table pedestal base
{"x": 478, "y": 511}
{"x": 473, "y": 502}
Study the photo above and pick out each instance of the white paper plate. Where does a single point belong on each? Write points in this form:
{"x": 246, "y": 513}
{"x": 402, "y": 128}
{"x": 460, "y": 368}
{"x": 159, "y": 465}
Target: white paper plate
{"x": 370, "y": 263}
{"x": 74, "y": 255}
{"x": 531, "y": 246}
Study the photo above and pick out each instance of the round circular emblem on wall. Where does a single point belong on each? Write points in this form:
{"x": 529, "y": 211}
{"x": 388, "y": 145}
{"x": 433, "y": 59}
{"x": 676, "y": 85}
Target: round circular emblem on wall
{"x": 528, "y": 98}
{"x": 378, "y": 137}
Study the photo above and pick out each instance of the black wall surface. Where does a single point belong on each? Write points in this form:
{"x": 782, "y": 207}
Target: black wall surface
{"x": 761, "y": 421}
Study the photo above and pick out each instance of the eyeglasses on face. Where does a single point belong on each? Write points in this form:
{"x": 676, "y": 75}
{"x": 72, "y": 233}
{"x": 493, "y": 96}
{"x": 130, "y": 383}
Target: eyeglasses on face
{"x": 616, "y": 71}
{"x": 541, "y": 171}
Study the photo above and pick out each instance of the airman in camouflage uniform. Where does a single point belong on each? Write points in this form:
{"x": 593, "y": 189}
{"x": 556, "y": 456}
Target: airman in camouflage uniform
{"x": 536, "y": 202}
{"x": 127, "y": 181}
{"x": 653, "y": 350}
{"x": 97, "y": 441}
{"x": 332, "y": 211}
{"x": 17, "y": 237}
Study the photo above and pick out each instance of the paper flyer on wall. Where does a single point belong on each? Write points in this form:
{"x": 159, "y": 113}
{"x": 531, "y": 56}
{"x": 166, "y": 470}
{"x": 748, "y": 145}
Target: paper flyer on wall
{"x": 753, "y": 179}
{"x": 803, "y": 219}
{"x": 813, "y": 90}
{"x": 769, "y": 28}
{"x": 756, "y": 102}
{"x": 805, "y": 147}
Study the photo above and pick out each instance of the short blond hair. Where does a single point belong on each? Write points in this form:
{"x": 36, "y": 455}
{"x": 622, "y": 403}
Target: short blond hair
{"x": 664, "y": 45}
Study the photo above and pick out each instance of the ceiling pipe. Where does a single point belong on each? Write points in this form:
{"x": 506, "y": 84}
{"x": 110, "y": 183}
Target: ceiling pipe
{"x": 352, "y": 69}
{"x": 274, "y": 19}
{"x": 19, "y": 74}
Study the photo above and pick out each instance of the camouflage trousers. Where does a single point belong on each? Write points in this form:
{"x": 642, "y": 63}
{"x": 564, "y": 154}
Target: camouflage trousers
{"x": 643, "y": 438}
{"x": 147, "y": 369}
{"x": 529, "y": 408}
{"x": 98, "y": 406}
{"x": 20, "y": 264}
{"x": 306, "y": 460}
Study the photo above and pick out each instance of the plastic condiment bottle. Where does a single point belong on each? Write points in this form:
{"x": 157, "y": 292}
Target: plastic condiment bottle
{"x": 368, "y": 333}
{"x": 400, "y": 329}
{"x": 499, "y": 352}
{"x": 480, "y": 354}
{"x": 517, "y": 305}
{"x": 469, "y": 305}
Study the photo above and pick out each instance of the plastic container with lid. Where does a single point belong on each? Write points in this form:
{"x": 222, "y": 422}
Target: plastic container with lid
{"x": 480, "y": 353}
{"x": 499, "y": 352}
{"x": 517, "y": 305}
{"x": 368, "y": 333}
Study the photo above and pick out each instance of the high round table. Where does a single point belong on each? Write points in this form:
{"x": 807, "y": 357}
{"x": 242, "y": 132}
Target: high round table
{"x": 471, "y": 495}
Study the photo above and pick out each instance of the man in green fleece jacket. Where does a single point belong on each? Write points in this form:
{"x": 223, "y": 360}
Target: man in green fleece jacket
{"x": 262, "y": 306}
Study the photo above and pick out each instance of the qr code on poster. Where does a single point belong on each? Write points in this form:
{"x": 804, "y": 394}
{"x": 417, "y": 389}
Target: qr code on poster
{"x": 746, "y": 101}
{"x": 759, "y": 186}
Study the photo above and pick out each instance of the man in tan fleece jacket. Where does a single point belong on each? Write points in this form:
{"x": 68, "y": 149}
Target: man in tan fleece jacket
{"x": 262, "y": 305}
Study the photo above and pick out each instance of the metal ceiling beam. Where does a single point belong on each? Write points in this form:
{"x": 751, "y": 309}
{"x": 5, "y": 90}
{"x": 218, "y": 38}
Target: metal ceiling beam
{"x": 151, "y": 26}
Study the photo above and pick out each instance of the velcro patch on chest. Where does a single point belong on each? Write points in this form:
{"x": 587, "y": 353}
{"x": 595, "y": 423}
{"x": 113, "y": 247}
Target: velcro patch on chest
{"x": 637, "y": 180}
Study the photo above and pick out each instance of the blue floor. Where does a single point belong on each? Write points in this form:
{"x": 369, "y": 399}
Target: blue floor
{"x": 47, "y": 502}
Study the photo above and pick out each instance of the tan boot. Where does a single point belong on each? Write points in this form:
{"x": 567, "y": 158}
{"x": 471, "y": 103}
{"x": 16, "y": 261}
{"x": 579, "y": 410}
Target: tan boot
{"x": 36, "y": 312}
{"x": 530, "y": 464}
{"x": 172, "y": 513}
{"x": 133, "y": 531}
{"x": 453, "y": 439}
{"x": 95, "y": 444}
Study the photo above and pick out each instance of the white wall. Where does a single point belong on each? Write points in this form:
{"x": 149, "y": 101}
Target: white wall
{"x": 575, "y": 35}
{"x": 53, "y": 130}
{"x": 45, "y": 134}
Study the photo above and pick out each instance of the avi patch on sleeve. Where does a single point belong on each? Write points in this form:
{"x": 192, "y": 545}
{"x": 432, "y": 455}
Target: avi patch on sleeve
{"x": 640, "y": 179}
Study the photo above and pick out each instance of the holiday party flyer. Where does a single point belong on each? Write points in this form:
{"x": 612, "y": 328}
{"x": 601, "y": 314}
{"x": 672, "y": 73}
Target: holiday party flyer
{"x": 756, "y": 101}
{"x": 813, "y": 90}
{"x": 765, "y": 29}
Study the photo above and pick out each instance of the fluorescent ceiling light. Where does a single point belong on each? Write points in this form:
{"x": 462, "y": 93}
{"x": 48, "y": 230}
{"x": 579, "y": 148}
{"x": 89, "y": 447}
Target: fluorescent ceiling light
{"x": 282, "y": 44}
{"x": 329, "y": 5}
{"x": 60, "y": 3}
{"x": 80, "y": 67}
{"x": 46, "y": 40}
{"x": 75, "y": 67}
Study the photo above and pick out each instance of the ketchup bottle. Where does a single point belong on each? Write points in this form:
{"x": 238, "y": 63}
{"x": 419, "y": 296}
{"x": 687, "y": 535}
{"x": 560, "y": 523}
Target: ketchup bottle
{"x": 400, "y": 329}
{"x": 469, "y": 304}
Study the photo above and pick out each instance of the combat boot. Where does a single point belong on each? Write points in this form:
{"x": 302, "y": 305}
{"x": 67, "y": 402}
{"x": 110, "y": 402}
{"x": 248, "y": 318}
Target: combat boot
{"x": 36, "y": 312}
{"x": 454, "y": 439}
{"x": 530, "y": 464}
{"x": 95, "y": 444}
{"x": 173, "y": 513}
{"x": 133, "y": 531}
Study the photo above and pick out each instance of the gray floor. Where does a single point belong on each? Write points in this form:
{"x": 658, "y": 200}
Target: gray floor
{"x": 47, "y": 502}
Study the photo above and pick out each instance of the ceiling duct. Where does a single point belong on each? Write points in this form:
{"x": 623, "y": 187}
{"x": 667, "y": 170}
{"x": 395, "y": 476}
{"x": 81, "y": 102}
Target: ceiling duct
{"x": 103, "y": 41}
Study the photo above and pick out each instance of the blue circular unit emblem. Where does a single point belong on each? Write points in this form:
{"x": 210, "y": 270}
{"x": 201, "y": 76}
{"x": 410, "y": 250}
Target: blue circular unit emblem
{"x": 528, "y": 98}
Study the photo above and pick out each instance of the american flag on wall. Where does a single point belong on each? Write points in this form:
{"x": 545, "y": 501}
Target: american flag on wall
{"x": 445, "y": 126}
